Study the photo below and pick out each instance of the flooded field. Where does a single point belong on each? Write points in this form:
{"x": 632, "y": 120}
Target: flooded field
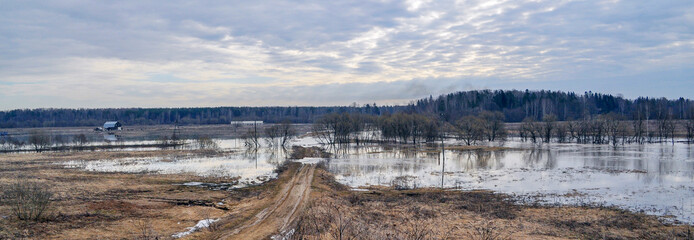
{"x": 654, "y": 178}
{"x": 239, "y": 165}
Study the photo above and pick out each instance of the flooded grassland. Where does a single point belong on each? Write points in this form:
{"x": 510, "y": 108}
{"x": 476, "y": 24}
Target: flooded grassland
{"x": 135, "y": 194}
{"x": 654, "y": 178}
{"x": 517, "y": 190}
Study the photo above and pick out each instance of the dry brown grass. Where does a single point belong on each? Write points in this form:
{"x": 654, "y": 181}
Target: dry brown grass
{"x": 92, "y": 205}
{"x": 383, "y": 213}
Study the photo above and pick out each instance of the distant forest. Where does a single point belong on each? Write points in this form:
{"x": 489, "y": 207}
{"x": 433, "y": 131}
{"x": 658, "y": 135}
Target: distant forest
{"x": 514, "y": 104}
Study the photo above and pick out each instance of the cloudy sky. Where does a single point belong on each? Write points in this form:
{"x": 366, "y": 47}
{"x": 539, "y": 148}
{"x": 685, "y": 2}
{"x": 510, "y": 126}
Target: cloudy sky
{"x": 169, "y": 53}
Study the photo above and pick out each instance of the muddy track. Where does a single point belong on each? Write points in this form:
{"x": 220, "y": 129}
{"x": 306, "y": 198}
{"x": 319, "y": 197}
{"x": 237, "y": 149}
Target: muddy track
{"x": 278, "y": 216}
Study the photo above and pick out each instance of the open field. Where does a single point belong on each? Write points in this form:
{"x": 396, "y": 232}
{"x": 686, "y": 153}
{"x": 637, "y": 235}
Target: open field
{"x": 89, "y": 205}
{"x": 150, "y": 132}
{"x": 94, "y": 205}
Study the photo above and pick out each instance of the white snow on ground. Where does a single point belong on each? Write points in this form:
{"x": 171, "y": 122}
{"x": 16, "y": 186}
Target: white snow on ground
{"x": 205, "y": 223}
{"x": 310, "y": 160}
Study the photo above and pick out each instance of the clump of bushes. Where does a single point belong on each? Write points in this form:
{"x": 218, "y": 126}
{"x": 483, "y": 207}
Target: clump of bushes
{"x": 299, "y": 152}
{"x": 403, "y": 183}
{"x": 28, "y": 200}
{"x": 205, "y": 142}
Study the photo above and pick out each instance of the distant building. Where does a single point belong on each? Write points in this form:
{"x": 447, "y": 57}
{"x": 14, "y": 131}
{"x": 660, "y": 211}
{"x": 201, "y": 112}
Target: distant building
{"x": 113, "y": 125}
{"x": 247, "y": 123}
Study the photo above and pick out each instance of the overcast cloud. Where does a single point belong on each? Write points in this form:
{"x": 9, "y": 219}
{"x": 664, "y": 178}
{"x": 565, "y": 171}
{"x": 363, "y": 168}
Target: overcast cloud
{"x": 253, "y": 53}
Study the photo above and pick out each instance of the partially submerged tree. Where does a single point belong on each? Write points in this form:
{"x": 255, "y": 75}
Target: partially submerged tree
{"x": 494, "y": 126}
{"x": 470, "y": 129}
{"x": 548, "y": 127}
{"x": 205, "y": 142}
{"x": 40, "y": 140}
{"x": 530, "y": 130}
{"x": 615, "y": 128}
{"x": 80, "y": 140}
{"x": 689, "y": 128}
{"x": 272, "y": 133}
{"x": 60, "y": 140}
{"x": 286, "y": 132}
{"x": 251, "y": 138}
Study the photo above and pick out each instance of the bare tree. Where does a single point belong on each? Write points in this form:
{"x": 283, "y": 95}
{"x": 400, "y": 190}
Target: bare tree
{"x": 616, "y": 129}
{"x": 251, "y": 138}
{"x": 14, "y": 143}
{"x": 40, "y": 140}
{"x": 585, "y": 127}
{"x": 572, "y": 129}
{"x": 470, "y": 129}
{"x": 561, "y": 132}
{"x": 670, "y": 127}
{"x": 287, "y": 132}
{"x": 60, "y": 140}
{"x": 80, "y": 140}
{"x": 205, "y": 142}
{"x": 664, "y": 123}
{"x": 494, "y": 126}
{"x": 337, "y": 128}
{"x": 639, "y": 131}
{"x": 548, "y": 127}
{"x": 530, "y": 129}
{"x": 689, "y": 127}
{"x": 272, "y": 133}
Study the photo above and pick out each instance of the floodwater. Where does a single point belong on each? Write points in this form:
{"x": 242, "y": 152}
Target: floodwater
{"x": 241, "y": 166}
{"x": 654, "y": 178}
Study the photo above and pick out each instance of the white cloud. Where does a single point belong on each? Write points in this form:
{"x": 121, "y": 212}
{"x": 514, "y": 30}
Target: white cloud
{"x": 223, "y": 53}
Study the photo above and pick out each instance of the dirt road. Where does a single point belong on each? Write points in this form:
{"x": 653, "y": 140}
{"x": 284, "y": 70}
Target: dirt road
{"x": 286, "y": 207}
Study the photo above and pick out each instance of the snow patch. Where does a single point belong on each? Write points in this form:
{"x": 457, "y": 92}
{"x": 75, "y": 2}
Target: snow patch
{"x": 205, "y": 223}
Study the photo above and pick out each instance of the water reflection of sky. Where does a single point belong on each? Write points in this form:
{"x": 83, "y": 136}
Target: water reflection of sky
{"x": 250, "y": 167}
{"x": 655, "y": 178}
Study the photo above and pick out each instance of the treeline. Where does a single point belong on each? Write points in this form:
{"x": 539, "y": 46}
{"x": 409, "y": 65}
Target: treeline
{"x": 610, "y": 128}
{"x": 519, "y": 105}
{"x": 339, "y": 128}
{"x": 515, "y": 106}
{"x": 407, "y": 128}
{"x": 184, "y": 116}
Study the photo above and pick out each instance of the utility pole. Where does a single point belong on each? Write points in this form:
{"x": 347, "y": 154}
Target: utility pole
{"x": 443, "y": 158}
{"x": 255, "y": 134}
{"x": 648, "y": 131}
{"x": 443, "y": 149}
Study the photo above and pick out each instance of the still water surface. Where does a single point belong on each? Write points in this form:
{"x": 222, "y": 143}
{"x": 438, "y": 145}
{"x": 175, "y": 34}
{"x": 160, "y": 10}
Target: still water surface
{"x": 654, "y": 178}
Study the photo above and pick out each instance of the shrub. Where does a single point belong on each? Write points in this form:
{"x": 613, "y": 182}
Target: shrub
{"x": 40, "y": 140}
{"x": 205, "y": 142}
{"x": 28, "y": 200}
{"x": 403, "y": 183}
